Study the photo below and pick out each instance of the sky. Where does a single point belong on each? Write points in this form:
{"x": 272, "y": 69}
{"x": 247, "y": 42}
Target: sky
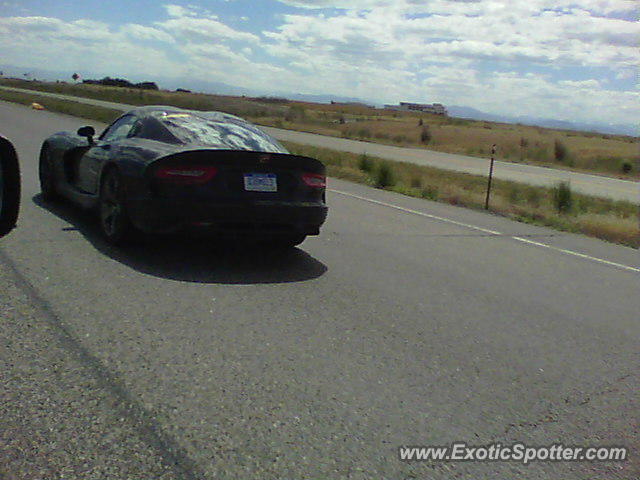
{"x": 574, "y": 60}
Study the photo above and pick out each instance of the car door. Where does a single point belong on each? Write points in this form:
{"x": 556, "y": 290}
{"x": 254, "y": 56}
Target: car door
{"x": 102, "y": 151}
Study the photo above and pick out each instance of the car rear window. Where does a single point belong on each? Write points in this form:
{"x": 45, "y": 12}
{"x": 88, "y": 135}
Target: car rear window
{"x": 219, "y": 131}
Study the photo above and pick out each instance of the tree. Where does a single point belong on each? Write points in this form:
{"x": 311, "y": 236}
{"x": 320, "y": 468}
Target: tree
{"x": 75, "y": 77}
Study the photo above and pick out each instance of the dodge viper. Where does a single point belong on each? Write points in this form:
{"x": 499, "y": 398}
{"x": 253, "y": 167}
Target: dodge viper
{"x": 161, "y": 169}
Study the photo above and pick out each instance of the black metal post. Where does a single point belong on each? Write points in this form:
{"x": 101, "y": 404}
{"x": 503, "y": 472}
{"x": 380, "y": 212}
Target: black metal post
{"x": 493, "y": 154}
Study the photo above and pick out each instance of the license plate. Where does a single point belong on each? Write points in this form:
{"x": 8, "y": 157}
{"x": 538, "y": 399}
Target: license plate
{"x": 260, "y": 182}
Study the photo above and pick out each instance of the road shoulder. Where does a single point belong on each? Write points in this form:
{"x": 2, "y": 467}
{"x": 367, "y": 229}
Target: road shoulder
{"x": 58, "y": 419}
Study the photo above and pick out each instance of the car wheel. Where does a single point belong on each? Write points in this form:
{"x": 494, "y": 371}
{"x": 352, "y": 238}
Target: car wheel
{"x": 47, "y": 176}
{"x": 289, "y": 241}
{"x": 114, "y": 220}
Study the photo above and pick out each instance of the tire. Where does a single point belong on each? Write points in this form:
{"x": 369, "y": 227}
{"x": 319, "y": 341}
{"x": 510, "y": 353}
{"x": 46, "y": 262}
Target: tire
{"x": 9, "y": 187}
{"x": 114, "y": 219}
{"x": 47, "y": 176}
{"x": 289, "y": 241}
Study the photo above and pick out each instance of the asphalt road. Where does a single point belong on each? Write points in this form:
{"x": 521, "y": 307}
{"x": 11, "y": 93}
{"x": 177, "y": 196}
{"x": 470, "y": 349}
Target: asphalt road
{"x": 405, "y": 322}
{"x": 589, "y": 184}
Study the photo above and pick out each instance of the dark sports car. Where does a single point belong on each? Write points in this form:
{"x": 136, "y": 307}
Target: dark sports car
{"x": 163, "y": 169}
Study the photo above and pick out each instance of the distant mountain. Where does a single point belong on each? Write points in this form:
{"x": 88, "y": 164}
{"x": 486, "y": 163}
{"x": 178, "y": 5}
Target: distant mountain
{"x": 607, "y": 128}
{"x": 612, "y": 129}
{"x": 224, "y": 89}
{"x": 324, "y": 98}
{"x": 472, "y": 113}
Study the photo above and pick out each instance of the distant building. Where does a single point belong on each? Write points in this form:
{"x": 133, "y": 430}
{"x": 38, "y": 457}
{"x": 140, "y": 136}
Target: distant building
{"x": 433, "y": 108}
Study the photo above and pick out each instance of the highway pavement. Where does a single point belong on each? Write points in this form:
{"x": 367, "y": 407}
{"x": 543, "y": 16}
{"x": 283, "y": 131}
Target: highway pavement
{"x": 406, "y": 322}
{"x": 597, "y": 185}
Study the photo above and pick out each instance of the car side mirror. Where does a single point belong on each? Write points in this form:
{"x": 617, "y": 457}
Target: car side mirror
{"x": 88, "y": 132}
{"x": 9, "y": 187}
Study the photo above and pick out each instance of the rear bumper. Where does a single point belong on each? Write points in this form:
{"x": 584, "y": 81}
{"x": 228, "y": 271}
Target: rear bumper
{"x": 168, "y": 215}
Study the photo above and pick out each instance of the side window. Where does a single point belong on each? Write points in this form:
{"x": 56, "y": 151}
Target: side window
{"x": 119, "y": 129}
{"x": 136, "y": 130}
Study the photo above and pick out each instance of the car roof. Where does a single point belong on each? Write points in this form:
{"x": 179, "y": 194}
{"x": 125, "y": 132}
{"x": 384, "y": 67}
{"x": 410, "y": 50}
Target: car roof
{"x": 149, "y": 110}
{"x": 232, "y": 133}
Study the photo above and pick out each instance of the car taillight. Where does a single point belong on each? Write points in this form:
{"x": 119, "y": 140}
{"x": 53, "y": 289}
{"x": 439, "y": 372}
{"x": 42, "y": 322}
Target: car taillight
{"x": 186, "y": 174}
{"x": 314, "y": 180}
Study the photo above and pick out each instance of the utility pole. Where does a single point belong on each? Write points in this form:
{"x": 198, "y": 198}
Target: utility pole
{"x": 493, "y": 155}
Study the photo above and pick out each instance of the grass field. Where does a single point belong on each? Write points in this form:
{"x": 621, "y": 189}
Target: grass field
{"x": 610, "y": 220}
{"x": 76, "y": 109}
{"x": 615, "y": 221}
{"x": 613, "y": 155}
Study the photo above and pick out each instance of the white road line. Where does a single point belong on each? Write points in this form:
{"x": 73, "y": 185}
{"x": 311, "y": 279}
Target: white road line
{"x": 578, "y": 254}
{"x": 491, "y": 232}
{"x": 416, "y": 212}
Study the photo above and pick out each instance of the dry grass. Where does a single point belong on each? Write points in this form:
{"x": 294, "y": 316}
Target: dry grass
{"x": 77, "y": 109}
{"x": 613, "y": 155}
{"x": 619, "y": 230}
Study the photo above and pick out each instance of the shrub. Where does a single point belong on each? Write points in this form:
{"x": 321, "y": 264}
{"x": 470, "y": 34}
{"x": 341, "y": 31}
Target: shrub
{"x": 563, "y": 197}
{"x": 400, "y": 138}
{"x": 430, "y": 192}
{"x": 365, "y": 163}
{"x": 534, "y": 197}
{"x": 384, "y": 176}
{"x": 295, "y": 112}
{"x": 364, "y": 133}
{"x": 560, "y": 151}
{"x": 425, "y": 135}
{"x": 420, "y": 122}
{"x": 627, "y": 167}
{"x": 514, "y": 195}
{"x": 583, "y": 205}
{"x": 416, "y": 182}
{"x": 454, "y": 199}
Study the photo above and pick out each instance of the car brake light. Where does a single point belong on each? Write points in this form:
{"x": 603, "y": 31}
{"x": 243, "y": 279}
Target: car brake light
{"x": 188, "y": 174}
{"x": 314, "y": 180}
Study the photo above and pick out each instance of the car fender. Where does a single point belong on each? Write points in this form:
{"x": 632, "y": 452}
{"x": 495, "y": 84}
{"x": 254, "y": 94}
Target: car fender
{"x": 11, "y": 186}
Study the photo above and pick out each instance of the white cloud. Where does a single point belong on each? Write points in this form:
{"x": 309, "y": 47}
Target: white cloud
{"x": 203, "y": 30}
{"x": 178, "y": 11}
{"x": 384, "y": 50}
{"x": 492, "y": 30}
{"x": 141, "y": 32}
{"x": 470, "y": 6}
{"x": 565, "y": 100}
